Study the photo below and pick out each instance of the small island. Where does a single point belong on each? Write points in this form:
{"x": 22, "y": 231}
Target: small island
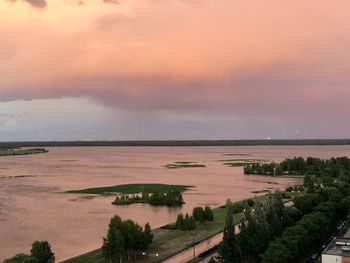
{"x": 177, "y": 165}
{"x": 154, "y": 194}
{"x": 169, "y": 198}
{"x": 131, "y": 189}
{"x": 13, "y": 152}
{"x": 240, "y": 162}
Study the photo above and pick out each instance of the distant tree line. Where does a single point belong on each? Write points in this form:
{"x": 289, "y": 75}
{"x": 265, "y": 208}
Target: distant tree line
{"x": 125, "y": 239}
{"x": 334, "y": 167}
{"x": 40, "y": 253}
{"x": 170, "y": 198}
{"x": 200, "y": 215}
{"x": 174, "y": 143}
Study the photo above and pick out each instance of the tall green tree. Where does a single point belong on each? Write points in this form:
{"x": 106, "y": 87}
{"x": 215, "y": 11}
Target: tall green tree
{"x": 119, "y": 247}
{"x": 148, "y": 236}
{"x": 229, "y": 251}
{"x": 42, "y": 251}
{"x": 125, "y": 239}
{"x": 208, "y": 214}
{"x": 109, "y": 246}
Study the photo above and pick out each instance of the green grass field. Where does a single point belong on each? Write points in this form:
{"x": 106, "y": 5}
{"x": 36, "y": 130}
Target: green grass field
{"x": 132, "y": 189}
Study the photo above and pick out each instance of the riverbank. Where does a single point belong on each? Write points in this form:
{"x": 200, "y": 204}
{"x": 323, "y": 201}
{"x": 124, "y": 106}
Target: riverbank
{"x": 168, "y": 242}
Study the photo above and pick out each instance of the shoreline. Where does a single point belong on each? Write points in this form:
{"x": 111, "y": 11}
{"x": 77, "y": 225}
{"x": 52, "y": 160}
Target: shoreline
{"x": 161, "y": 233}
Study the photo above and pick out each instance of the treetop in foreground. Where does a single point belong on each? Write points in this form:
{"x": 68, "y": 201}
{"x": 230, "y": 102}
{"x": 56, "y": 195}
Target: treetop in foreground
{"x": 40, "y": 253}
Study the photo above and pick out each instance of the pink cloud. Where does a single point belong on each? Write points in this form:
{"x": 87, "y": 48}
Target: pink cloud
{"x": 43, "y": 3}
{"x": 34, "y": 3}
{"x": 111, "y": 1}
{"x": 242, "y": 57}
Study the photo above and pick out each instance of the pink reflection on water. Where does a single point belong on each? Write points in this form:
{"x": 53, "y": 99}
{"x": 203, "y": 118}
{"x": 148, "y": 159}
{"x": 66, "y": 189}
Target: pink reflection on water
{"x": 33, "y": 208}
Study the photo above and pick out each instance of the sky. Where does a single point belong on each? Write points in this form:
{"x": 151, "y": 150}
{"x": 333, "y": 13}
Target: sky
{"x": 174, "y": 69}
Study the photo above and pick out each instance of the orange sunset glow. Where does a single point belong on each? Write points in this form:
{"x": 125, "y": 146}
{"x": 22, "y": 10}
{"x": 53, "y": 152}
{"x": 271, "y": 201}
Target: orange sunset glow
{"x": 174, "y": 131}
{"x": 188, "y": 58}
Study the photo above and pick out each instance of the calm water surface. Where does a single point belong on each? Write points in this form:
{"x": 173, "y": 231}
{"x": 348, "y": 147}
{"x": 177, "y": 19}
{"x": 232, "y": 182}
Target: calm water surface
{"x": 34, "y": 207}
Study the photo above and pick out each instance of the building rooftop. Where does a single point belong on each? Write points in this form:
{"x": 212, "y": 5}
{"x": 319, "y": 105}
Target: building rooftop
{"x": 340, "y": 246}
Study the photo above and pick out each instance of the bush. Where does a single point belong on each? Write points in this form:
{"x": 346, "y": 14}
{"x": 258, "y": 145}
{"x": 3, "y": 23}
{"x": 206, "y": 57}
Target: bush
{"x": 208, "y": 214}
{"x": 186, "y": 222}
{"x": 201, "y": 215}
{"x": 21, "y": 258}
{"x": 307, "y": 202}
{"x": 237, "y": 208}
{"x": 290, "y": 189}
{"x": 250, "y": 202}
{"x": 198, "y": 214}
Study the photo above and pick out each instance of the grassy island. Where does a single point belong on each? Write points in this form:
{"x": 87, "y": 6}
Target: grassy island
{"x": 170, "y": 198}
{"x": 240, "y": 162}
{"x": 132, "y": 189}
{"x": 177, "y": 165}
{"x": 235, "y": 164}
{"x": 12, "y": 152}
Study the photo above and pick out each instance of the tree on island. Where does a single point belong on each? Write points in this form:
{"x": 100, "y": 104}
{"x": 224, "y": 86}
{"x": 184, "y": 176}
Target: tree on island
{"x": 170, "y": 198}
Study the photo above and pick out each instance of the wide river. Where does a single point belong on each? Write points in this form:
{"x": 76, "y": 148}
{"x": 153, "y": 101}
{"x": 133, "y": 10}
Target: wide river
{"x": 33, "y": 207}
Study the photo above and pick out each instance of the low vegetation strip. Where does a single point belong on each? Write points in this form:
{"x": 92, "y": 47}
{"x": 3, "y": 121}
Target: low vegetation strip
{"x": 177, "y": 165}
{"x": 11, "y": 152}
{"x": 299, "y": 166}
{"x": 132, "y": 189}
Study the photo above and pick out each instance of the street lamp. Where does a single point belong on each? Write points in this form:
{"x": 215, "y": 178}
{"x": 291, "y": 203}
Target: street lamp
{"x": 194, "y": 249}
{"x": 150, "y": 255}
{"x": 193, "y": 245}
